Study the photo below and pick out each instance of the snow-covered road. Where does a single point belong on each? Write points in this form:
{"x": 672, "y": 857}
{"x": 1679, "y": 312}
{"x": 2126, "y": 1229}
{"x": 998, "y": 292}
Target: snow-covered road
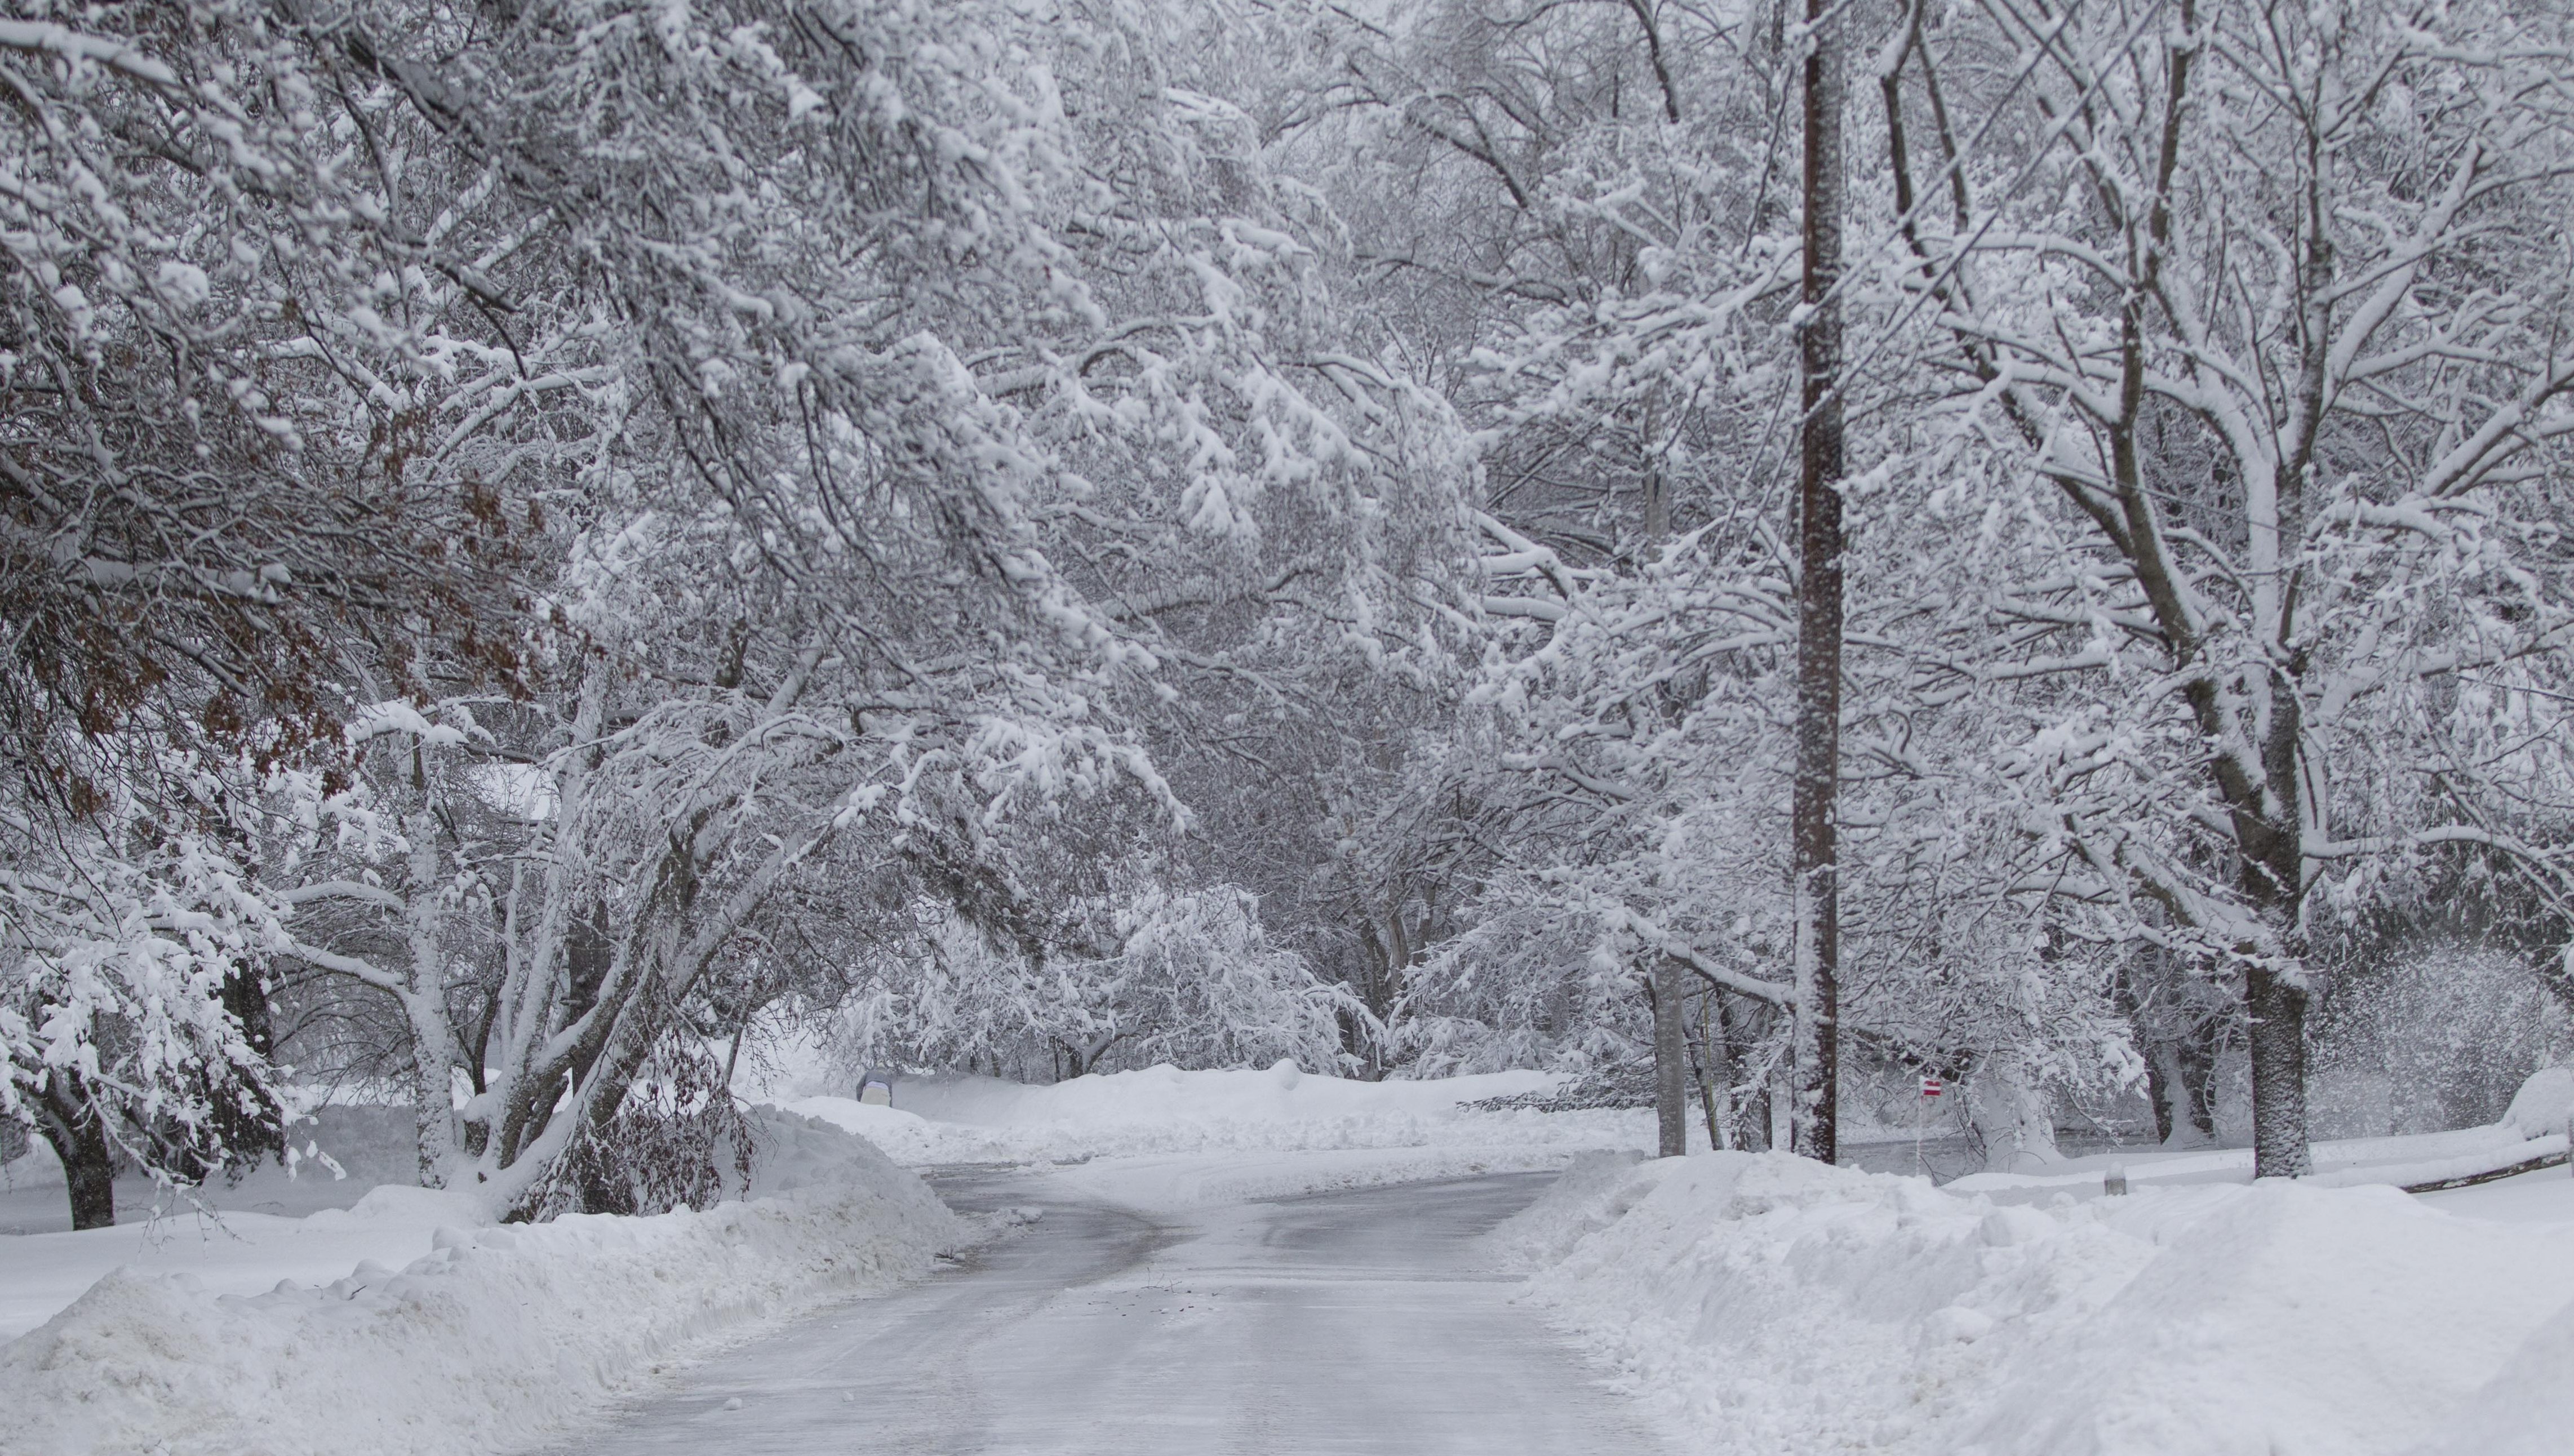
{"x": 1342, "y": 1322}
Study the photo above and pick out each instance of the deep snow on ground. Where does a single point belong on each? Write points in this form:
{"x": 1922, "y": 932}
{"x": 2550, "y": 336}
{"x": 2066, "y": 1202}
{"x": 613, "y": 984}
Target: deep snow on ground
{"x": 1779, "y": 1307}
{"x": 1164, "y": 1140}
{"x": 2534, "y": 1126}
{"x": 354, "y": 1149}
{"x": 404, "y": 1322}
{"x": 233, "y": 1253}
{"x": 310, "y": 1222}
{"x": 488, "y": 1340}
{"x": 1759, "y": 1305}
{"x": 1162, "y": 1112}
{"x": 2545, "y": 1196}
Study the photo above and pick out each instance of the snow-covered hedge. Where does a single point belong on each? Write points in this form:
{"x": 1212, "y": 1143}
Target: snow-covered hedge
{"x": 500, "y": 1334}
{"x": 1780, "y": 1307}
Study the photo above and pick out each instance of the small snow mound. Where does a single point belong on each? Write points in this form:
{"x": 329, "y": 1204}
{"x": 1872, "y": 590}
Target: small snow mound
{"x": 1286, "y": 1073}
{"x": 2544, "y": 1103}
{"x": 2298, "y": 1318}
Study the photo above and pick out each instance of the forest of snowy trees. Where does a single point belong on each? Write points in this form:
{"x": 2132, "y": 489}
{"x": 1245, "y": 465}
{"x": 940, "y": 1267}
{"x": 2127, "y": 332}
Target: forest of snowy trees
{"x": 2028, "y": 541}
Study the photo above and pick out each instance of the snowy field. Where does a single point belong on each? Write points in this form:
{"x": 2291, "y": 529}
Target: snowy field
{"x": 1749, "y": 1303}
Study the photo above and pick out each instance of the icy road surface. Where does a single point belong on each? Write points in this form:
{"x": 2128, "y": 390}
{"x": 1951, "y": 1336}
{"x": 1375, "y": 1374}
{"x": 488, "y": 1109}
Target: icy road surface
{"x": 1340, "y": 1322}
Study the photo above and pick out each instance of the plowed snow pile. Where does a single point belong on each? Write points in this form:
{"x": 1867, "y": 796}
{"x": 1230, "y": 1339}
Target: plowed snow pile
{"x": 1162, "y": 1111}
{"x": 499, "y": 1335}
{"x": 1777, "y": 1306}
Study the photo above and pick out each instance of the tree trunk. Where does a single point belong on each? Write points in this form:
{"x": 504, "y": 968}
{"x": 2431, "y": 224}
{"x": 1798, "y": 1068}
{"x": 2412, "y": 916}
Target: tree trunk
{"x": 2279, "y": 1008}
{"x": 247, "y": 1122}
{"x": 2177, "y": 1048}
{"x": 79, "y": 1140}
{"x": 89, "y": 1174}
{"x": 2163, "y": 1089}
{"x": 2271, "y": 834}
{"x": 1670, "y": 1058}
{"x": 1713, "y": 1057}
{"x": 1815, "y": 852}
{"x": 2178, "y": 1074}
{"x": 2197, "y": 1057}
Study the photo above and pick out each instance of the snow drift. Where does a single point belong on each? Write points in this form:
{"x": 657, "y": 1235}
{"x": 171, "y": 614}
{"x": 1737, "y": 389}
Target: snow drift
{"x": 1779, "y": 1306}
{"x": 498, "y": 1336}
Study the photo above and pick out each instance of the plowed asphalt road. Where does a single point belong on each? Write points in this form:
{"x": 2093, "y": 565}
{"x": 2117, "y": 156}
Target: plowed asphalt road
{"x": 1343, "y": 1322}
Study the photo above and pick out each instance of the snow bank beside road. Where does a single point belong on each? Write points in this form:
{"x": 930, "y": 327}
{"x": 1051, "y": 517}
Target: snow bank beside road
{"x": 496, "y": 1337}
{"x": 1780, "y": 1307}
{"x": 2395, "y": 1162}
{"x": 242, "y": 1253}
{"x": 1165, "y": 1113}
{"x": 1198, "y": 1180}
{"x": 1162, "y": 1140}
{"x": 1280, "y": 1093}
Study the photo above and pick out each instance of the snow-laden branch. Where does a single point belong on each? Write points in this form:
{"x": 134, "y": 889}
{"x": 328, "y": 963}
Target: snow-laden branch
{"x": 1715, "y": 972}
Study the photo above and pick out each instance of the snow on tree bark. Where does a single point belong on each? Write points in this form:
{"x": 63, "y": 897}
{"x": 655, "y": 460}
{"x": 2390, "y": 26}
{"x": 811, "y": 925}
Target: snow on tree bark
{"x": 1813, "y": 864}
{"x": 1670, "y": 1059}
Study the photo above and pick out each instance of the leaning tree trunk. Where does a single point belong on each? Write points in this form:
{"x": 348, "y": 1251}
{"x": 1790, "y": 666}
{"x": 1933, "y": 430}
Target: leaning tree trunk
{"x": 1815, "y": 852}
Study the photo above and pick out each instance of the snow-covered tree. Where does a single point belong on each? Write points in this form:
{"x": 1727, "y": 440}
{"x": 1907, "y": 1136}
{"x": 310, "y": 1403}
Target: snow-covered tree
{"x": 2264, "y": 300}
{"x": 927, "y": 400}
{"x": 1146, "y": 977}
{"x": 227, "y": 320}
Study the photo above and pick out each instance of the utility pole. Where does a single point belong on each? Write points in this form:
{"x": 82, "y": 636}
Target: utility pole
{"x": 1815, "y": 852}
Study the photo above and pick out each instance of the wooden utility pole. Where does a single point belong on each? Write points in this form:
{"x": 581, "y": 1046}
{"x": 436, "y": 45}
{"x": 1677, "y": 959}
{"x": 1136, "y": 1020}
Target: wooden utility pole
{"x": 1813, "y": 860}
